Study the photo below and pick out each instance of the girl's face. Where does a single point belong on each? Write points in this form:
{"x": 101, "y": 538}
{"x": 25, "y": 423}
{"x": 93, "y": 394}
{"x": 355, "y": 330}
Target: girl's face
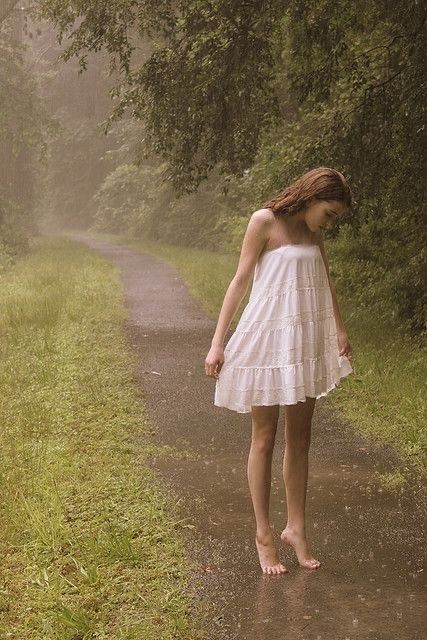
{"x": 323, "y": 214}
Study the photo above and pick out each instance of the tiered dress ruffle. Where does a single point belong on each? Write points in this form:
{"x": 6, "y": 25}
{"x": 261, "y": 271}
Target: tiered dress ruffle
{"x": 285, "y": 346}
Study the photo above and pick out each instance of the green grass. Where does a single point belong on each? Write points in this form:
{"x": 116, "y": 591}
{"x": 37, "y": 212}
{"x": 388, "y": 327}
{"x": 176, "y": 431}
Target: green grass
{"x": 91, "y": 545}
{"x": 384, "y": 397}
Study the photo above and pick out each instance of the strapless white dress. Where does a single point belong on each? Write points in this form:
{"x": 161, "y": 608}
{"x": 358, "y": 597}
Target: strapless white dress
{"x": 285, "y": 346}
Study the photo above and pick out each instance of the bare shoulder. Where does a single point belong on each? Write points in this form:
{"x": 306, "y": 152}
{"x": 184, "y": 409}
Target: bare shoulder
{"x": 258, "y": 230}
{"x": 256, "y": 235}
{"x": 263, "y": 217}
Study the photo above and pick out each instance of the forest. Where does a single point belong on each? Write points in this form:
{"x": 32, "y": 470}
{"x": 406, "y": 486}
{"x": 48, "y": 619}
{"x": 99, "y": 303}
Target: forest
{"x": 178, "y": 119}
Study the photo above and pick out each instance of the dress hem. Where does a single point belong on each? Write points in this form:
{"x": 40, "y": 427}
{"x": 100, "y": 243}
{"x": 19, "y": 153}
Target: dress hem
{"x": 245, "y": 409}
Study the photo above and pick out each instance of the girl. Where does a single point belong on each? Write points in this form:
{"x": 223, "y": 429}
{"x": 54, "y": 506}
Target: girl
{"x": 289, "y": 348}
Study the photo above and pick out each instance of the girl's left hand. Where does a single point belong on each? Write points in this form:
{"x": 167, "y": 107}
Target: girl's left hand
{"x": 344, "y": 345}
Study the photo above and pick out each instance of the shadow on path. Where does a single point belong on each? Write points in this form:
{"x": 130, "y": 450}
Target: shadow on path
{"x": 370, "y": 541}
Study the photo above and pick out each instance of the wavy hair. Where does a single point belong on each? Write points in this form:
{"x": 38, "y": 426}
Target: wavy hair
{"x": 321, "y": 183}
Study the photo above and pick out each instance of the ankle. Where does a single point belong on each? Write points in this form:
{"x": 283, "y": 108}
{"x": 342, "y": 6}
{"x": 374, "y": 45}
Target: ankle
{"x": 263, "y": 532}
{"x": 295, "y": 530}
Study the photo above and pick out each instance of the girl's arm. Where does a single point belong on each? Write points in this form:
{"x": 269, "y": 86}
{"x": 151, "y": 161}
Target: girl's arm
{"x": 253, "y": 242}
{"x": 256, "y": 235}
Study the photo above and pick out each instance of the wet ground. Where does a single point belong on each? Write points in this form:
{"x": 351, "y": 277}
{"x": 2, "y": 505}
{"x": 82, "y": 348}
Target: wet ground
{"x": 369, "y": 540}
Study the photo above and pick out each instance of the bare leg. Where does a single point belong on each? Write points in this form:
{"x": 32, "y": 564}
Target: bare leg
{"x": 264, "y": 427}
{"x": 295, "y": 473}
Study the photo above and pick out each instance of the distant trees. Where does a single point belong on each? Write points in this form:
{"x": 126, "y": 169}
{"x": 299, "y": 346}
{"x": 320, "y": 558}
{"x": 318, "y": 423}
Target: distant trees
{"x": 24, "y": 124}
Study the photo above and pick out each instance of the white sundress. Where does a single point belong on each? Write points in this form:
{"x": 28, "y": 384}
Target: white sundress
{"x": 285, "y": 346}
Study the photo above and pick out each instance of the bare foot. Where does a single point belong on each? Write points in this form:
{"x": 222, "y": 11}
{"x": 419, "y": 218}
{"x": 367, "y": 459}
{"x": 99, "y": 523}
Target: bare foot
{"x": 299, "y": 543}
{"x": 267, "y": 554}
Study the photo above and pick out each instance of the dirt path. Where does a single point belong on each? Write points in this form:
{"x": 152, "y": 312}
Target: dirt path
{"x": 370, "y": 542}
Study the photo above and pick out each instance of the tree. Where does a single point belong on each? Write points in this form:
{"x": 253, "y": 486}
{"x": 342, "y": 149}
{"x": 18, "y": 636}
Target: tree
{"x": 24, "y": 126}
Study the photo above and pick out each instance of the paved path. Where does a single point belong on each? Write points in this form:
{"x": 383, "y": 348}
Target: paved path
{"x": 369, "y": 541}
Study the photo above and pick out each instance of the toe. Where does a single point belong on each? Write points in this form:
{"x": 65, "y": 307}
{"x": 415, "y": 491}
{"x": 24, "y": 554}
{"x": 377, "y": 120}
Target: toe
{"x": 308, "y": 564}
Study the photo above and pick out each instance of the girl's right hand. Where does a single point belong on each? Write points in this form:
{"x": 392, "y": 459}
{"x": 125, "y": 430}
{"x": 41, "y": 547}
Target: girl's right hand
{"x": 214, "y": 361}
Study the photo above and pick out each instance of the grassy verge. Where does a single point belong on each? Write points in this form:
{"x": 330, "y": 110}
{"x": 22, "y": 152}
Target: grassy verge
{"x": 90, "y": 544}
{"x": 382, "y": 399}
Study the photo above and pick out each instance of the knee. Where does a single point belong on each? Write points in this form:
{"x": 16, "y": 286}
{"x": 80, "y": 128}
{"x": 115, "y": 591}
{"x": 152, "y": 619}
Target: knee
{"x": 263, "y": 443}
{"x": 298, "y": 444}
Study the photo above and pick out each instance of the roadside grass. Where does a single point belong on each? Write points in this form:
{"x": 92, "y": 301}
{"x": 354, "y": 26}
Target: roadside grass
{"x": 384, "y": 396}
{"x": 91, "y": 545}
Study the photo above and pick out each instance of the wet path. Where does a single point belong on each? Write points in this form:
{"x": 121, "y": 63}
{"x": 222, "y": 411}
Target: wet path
{"x": 370, "y": 542}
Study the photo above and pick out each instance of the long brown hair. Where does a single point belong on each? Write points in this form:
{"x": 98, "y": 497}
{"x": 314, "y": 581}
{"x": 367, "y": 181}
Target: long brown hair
{"x": 321, "y": 183}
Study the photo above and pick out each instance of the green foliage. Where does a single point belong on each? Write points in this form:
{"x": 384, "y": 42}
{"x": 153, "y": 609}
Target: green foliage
{"x": 382, "y": 272}
{"x": 132, "y": 198}
{"x": 252, "y": 95}
{"x": 14, "y": 232}
{"x": 137, "y": 201}
{"x": 219, "y": 71}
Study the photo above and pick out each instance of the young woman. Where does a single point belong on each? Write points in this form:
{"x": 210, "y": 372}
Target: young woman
{"x": 289, "y": 348}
